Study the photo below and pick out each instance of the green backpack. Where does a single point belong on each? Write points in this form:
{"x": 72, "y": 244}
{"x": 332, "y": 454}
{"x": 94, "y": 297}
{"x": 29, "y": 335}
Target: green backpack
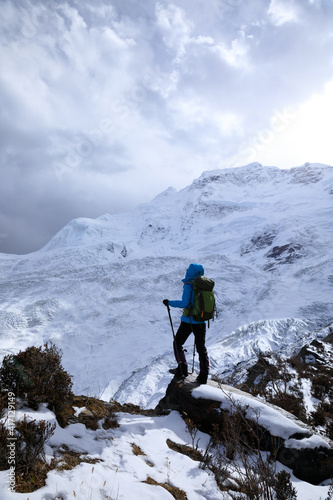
{"x": 203, "y": 307}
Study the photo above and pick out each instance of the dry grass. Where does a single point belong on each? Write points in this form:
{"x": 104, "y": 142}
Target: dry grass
{"x": 185, "y": 450}
{"x": 177, "y": 493}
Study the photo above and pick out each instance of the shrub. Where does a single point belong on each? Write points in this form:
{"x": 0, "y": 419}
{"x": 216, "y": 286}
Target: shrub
{"x": 3, "y": 403}
{"x": 240, "y": 468}
{"x": 110, "y": 421}
{"x": 31, "y": 438}
{"x": 329, "y": 429}
{"x": 23, "y": 451}
{"x": 4, "y": 440}
{"x": 37, "y": 375}
{"x": 292, "y": 403}
{"x": 322, "y": 416}
{"x": 284, "y": 489}
{"x": 322, "y": 384}
{"x": 318, "y": 417}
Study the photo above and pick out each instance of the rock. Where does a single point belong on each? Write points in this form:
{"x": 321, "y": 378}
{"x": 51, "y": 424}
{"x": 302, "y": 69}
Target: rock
{"x": 286, "y": 254}
{"x": 179, "y": 397}
{"x": 293, "y": 443}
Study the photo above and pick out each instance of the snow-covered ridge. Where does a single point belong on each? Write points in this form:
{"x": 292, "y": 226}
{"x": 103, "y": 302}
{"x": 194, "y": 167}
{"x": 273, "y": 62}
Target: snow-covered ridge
{"x": 253, "y": 194}
{"x": 257, "y": 174}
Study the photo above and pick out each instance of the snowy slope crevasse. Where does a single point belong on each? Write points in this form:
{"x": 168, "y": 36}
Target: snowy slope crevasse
{"x": 263, "y": 234}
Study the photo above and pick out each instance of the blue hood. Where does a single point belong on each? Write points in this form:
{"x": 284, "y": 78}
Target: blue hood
{"x": 193, "y": 271}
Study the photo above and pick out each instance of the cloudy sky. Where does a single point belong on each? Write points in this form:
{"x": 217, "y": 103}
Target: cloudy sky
{"x": 106, "y": 103}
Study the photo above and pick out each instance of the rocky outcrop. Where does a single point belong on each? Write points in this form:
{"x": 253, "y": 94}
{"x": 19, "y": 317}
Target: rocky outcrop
{"x": 294, "y": 444}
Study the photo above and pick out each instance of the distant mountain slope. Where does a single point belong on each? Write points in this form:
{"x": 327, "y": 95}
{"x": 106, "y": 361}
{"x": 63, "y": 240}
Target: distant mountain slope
{"x": 263, "y": 234}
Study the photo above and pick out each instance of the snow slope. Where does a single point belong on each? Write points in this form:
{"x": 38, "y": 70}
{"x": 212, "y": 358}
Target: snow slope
{"x": 121, "y": 474}
{"x": 96, "y": 289}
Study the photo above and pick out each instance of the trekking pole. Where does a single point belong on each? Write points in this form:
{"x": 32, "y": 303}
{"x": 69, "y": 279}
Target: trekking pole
{"x": 193, "y": 356}
{"x": 174, "y": 342}
{"x": 173, "y": 332}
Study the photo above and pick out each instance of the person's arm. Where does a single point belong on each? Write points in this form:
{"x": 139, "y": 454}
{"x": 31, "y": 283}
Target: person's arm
{"x": 186, "y": 298}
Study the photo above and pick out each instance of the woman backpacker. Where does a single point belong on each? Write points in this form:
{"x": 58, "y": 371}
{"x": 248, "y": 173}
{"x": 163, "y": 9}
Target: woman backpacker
{"x": 191, "y": 322}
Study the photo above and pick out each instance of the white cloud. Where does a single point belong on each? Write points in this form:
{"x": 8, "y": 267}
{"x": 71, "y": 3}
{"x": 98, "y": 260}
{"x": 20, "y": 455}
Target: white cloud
{"x": 310, "y": 133}
{"x": 236, "y": 53}
{"x": 281, "y": 12}
{"x": 175, "y": 27}
{"x": 109, "y": 93}
{"x": 295, "y": 136}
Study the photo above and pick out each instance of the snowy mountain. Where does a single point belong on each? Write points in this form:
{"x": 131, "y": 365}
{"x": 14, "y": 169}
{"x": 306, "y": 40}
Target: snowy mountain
{"x": 263, "y": 234}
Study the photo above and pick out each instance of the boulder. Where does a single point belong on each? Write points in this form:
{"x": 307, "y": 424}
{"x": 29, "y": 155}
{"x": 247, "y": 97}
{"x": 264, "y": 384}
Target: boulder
{"x": 294, "y": 444}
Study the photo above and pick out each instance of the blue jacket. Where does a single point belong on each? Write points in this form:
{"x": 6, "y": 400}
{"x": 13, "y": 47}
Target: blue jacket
{"x": 192, "y": 272}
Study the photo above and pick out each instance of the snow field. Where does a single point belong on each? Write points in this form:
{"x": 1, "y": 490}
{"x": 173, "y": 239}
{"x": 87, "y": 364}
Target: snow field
{"x": 120, "y": 473}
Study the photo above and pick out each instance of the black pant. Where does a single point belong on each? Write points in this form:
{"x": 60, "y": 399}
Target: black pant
{"x": 199, "y": 332}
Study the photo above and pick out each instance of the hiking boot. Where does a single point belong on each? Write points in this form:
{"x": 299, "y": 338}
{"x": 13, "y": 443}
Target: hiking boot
{"x": 202, "y": 378}
{"x": 180, "y": 371}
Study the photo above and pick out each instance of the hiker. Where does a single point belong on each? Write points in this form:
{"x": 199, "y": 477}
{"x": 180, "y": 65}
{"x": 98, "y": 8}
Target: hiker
{"x": 187, "y": 326}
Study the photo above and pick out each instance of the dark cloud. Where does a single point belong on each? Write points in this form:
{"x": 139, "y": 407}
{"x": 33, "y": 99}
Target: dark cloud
{"x": 104, "y": 105}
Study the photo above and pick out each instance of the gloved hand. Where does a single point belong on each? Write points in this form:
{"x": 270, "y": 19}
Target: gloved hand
{"x": 166, "y": 302}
